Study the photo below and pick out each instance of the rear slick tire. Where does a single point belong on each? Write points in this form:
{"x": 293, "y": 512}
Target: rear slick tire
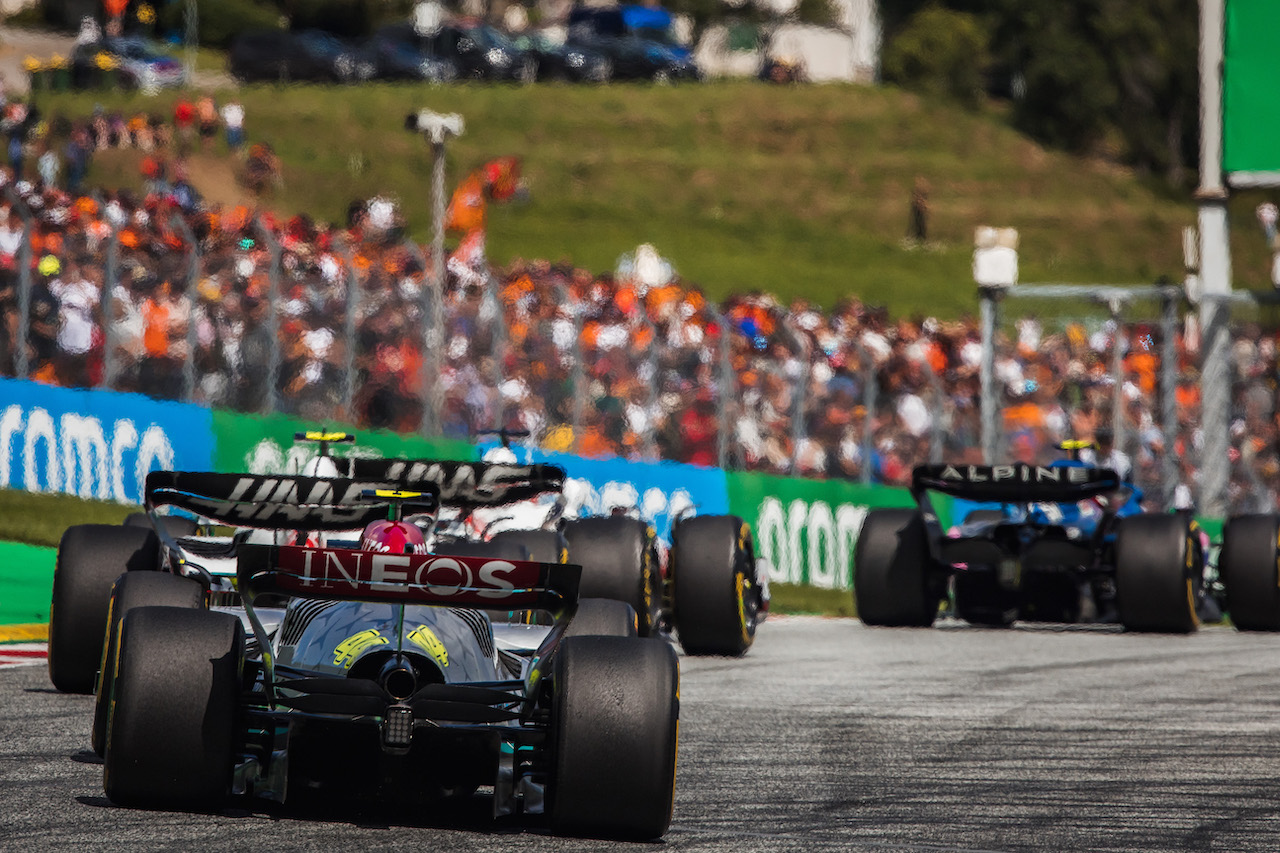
{"x": 131, "y": 591}
{"x": 173, "y": 709}
{"x": 716, "y": 595}
{"x": 1249, "y": 567}
{"x": 1156, "y": 573}
{"x": 615, "y": 710}
{"x": 892, "y": 583}
{"x": 90, "y": 558}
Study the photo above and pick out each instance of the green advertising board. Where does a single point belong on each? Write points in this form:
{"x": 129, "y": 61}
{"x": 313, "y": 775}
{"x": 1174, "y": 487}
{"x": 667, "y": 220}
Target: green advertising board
{"x": 264, "y": 444}
{"x": 806, "y": 529}
{"x": 1250, "y": 81}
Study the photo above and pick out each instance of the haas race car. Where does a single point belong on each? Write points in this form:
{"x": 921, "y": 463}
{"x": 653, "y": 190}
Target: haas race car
{"x": 366, "y": 668}
{"x": 705, "y": 588}
{"x": 1058, "y": 543}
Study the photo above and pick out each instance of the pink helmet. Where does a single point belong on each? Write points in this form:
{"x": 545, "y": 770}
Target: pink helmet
{"x": 395, "y": 537}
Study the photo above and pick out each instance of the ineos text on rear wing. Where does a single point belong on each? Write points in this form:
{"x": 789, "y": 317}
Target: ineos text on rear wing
{"x": 1017, "y": 482}
{"x": 452, "y": 581}
{"x": 274, "y": 502}
{"x": 466, "y": 484}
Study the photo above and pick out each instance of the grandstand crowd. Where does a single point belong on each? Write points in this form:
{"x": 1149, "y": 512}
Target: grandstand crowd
{"x": 645, "y": 369}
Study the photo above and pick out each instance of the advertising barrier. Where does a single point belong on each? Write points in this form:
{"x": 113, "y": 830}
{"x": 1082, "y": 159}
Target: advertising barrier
{"x": 95, "y": 444}
{"x": 805, "y": 530}
{"x": 660, "y": 490}
{"x": 263, "y": 444}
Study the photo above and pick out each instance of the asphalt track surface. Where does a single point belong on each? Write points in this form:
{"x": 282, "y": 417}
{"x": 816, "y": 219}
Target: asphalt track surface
{"x": 827, "y": 736}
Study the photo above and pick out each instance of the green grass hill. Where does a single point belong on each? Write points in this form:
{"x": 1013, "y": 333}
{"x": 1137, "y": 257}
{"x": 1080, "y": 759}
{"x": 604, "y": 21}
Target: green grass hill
{"x": 802, "y": 191}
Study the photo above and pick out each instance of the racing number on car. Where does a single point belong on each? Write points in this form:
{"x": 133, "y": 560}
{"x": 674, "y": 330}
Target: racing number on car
{"x": 426, "y": 639}
{"x": 351, "y": 648}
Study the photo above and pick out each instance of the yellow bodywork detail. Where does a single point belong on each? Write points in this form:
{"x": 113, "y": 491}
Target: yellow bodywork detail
{"x": 426, "y": 639}
{"x": 396, "y": 493}
{"x": 351, "y": 648}
{"x": 325, "y": 436}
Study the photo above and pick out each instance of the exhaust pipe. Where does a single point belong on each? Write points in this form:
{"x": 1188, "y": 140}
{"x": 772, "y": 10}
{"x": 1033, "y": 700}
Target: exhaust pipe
{"x": 398, "y": 678}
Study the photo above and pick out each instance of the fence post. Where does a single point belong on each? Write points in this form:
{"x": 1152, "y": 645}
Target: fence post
{"x": 1117, "y": 374}
{"x": 272, "y": 402}
{"x": 870, "y": 393}
{"x": 939, "y": 398}
{"x": 193, "y": 280}
{"x": 802, "y": 386}
{"x": 432, "y": 347}
{"x": 651, "y": 362}
{"x": 724, "y": 378}
{"x": 575, "y": 377}
{"x": 499, "y": 352}
{"x": 109, "y": 366}
{"x": 21, "y": 361}
{"x": 349, "y": 329}
{"x": 1168, "y": 392}
{"x": 1215, "y": 384}
{"x": 989, "y": 305}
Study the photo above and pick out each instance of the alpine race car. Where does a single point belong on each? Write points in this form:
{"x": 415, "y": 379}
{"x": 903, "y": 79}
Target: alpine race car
{"x": 1055, "y": 548}
{"x": 705, "y": 588}
{"x": 375, "y": 671}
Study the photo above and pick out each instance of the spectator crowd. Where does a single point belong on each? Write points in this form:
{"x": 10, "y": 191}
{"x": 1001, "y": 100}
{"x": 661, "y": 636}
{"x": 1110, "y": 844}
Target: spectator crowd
{"x": 328, "y": 321}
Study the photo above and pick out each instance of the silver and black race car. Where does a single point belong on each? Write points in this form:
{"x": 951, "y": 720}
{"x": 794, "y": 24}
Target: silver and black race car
{"x": 1057, "y": 543}
{"x": 319, "y": 669}
{"x": 705, "y": 588}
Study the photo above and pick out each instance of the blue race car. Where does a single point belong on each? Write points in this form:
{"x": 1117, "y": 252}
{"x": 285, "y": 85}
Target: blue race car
{"x": 1065, "y": 542}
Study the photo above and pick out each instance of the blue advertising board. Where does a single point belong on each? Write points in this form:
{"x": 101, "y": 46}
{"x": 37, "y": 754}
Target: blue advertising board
{"x": 95, "y": 444}
{"x": 660, "y": 490}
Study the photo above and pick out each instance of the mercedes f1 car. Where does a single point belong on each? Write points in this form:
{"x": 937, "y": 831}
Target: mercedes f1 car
{"x": 1063, "y": 543}
{"x": 378, "y": 663}
{"x": 705, "y": 588}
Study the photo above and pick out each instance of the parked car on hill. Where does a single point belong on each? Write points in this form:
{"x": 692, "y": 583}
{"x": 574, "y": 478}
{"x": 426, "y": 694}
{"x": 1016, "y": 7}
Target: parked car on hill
{"x": 312, "y": 55}
{"x": 139, "y": 64}
{"x": 401, "y": 54}
{"x": 481, "y": 52}
{"x": 558, "y": 60}
{"x": 637, "y": 40}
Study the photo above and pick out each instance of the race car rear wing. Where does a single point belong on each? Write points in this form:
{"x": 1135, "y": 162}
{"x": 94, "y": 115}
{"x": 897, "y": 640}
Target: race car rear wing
{"x": 466, "y": 485}
{"x": 1018, "y": 482}
{"x": 275, "y": 502}
{"x": 451, "y": 581}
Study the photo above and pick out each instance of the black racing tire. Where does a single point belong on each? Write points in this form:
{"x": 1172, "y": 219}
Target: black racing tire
{"x": 1249, "y": 568}
{"x": 615, "y": 708}
{"x": 894, "y": 583}
{"x": 542, "y": 546}
{"x": 619, "y": 561}
{"x": 716, "y": 595}
{"x": 1156, "y": 574}
{"x": 173, "y": 709}
{"x": 603, "y": 617}
{"x": 90, "y": 558}
{"x": 130, "y": 591}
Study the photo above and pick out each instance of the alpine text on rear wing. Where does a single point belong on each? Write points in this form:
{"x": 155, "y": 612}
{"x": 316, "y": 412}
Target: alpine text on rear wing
{"x": 1017, "y": 482}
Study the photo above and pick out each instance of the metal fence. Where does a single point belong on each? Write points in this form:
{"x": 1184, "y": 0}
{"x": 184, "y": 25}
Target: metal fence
{"x": 250, "y": 314}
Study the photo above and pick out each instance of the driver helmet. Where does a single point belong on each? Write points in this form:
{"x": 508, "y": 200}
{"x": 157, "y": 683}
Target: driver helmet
{"x": 393, "y": 537}
{"x": 500, "y": 455}
{"x": 321, "y": 466}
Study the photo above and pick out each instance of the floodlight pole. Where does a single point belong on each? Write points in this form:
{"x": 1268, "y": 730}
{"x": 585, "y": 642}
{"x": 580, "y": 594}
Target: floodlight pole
{"x": 191, "y": 20}
{"x": 438, "y": 128}
{"x": 1215, "y": 268}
